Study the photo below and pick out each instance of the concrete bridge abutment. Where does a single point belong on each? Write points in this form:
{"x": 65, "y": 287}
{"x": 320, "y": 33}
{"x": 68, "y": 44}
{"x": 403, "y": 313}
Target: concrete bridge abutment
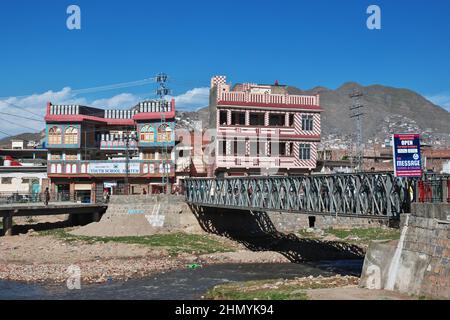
{"x": 418, "y": 263}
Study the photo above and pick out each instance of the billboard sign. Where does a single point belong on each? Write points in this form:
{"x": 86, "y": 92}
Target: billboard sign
{"x": 407, "y": 157}
{"x": 113, "y": 168}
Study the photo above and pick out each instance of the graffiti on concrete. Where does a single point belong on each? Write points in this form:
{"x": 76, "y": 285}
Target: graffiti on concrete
{"x": 156, "y": 219}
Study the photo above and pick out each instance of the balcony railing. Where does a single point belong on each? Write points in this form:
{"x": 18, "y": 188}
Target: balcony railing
{"x": 112, "y": 167}
{"x": 116, "y": 142}
{"x": 247, "y": 97}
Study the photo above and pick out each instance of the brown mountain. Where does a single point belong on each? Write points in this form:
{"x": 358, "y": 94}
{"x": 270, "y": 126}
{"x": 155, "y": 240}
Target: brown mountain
{"x": 38, "y": 136}
{"x": 386, "y": 110}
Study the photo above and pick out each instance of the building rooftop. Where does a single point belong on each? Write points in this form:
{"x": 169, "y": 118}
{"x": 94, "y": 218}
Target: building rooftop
{"x": 262, "y": 95}
{"x": 145, "y": 110}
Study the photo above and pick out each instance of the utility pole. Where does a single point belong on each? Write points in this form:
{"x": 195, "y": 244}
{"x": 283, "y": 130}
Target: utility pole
{"x": 356, "y": 114}
{"x": 127, "y": 160}
{"x": 127, "y": 164}
{"x": 162, "y": 91}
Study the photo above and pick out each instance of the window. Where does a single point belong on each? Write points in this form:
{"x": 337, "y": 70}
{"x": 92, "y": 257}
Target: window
{"x": 164, "y": 133}
{"x": 291, "y": 119}
{"x": 237, "y": 118}
{"x": 223, "y": 118}
{"x": 255, "y": 148}
{"x": 276, "y": 119}
{"x": 257, "y": 119}
{"x": 307, "y": 123}
{"x": 147, "y": 134}
{"x": 290, "y": 148}
{"x": 282, "y": 148}
{"x": 6, "y": 180}
{"x": 55, "y": 156}
{"x": 54, "y": 135}
{"x": 71, "y": 156}
{"x": 71, "y": 135}
{"x": 238, "y": 147}
{"x": 222, "y": 148}
{"x": 305, "y": 152}
{"x": 149, "y": 156}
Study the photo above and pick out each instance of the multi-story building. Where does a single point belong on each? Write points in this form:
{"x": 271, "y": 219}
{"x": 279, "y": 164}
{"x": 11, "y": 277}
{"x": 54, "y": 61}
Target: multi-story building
{"x": 190, "y": 156}
{"x": 93, "y": 150}
{"x": 22, "y": 172}
{"x": 263, "y": 129}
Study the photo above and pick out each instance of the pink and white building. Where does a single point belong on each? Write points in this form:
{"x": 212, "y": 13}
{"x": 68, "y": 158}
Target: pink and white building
{"x": 262, "y": 129}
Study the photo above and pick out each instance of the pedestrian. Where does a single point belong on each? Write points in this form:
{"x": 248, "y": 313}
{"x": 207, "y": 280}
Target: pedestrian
{"x": 105, "y": 195}
{"x": 144, "y": 192}
{"x": 46, "y": 196}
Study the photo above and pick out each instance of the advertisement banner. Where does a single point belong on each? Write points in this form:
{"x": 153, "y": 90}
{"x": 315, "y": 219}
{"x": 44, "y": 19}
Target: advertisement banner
{"x": 407, "y": 156}
{"x": 113, "y": 168}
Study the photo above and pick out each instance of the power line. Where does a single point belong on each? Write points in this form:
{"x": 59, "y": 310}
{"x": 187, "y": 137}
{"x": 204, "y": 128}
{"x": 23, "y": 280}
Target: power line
{"x": 100, "y": 88}
{"x": 21, "y": 108}
{"x": 114, "y": 86}
{"x": 22, "y": 117}
{"x": 19, "y": 125}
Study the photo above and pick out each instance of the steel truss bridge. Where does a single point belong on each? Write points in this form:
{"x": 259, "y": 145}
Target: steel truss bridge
{"x": 377, "y": 195}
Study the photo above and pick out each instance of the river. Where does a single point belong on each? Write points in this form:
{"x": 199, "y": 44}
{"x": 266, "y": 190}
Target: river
{"x": 179, "y": 284}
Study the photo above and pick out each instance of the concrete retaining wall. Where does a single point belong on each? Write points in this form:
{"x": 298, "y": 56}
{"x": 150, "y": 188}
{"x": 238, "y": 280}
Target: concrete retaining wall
{"x": 291, "y": 222}
{"x": 167, "y": 211}
{"x": 140, "y": 215}
{"x": 419, "y": 263}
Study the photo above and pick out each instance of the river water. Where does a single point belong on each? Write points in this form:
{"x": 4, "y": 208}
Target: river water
{"x": 179, "y": 284}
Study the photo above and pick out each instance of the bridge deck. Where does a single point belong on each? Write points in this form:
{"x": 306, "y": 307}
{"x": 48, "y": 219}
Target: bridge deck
{"x": 9, "y": 211}
{"x": 39, "y": 209}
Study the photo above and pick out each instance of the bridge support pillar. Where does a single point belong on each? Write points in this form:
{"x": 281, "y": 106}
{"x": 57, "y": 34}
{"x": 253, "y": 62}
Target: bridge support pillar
{"x": 7, "y": 225}
{"x": 96, "y": 216}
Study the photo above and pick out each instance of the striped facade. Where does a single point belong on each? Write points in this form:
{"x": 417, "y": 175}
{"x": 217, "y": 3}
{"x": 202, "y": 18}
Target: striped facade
{"x": 299, "y": 144}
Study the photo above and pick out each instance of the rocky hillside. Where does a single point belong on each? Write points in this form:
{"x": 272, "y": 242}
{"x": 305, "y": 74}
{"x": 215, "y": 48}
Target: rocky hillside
{"x": 386, "y": 110}
{"x": 37, "y": 137}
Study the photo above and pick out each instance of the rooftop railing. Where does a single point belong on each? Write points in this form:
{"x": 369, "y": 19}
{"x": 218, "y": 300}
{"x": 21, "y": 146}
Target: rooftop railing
{"x": 248, "y": 97}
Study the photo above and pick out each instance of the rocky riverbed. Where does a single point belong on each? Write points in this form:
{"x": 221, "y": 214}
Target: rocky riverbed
{"x": 35, "y": 257}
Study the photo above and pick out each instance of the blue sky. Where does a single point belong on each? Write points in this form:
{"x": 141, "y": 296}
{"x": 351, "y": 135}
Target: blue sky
{"x": 300, "y": 43}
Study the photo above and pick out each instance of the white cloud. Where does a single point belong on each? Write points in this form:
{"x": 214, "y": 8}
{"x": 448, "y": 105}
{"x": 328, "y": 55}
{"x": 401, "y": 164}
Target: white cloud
{"x": 122, "y": 101}
{"x": 442, "y": 99}
{"x": 34, "y": 106}
{"x": 192, "y": 99}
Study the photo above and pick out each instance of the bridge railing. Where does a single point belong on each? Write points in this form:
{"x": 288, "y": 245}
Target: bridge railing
{"x": 368, "y": 194}
{"x": 434, "y": 188}
{"x": 32, "y": 197}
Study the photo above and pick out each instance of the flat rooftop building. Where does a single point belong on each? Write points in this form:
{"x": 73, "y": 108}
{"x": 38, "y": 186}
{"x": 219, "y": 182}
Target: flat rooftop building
{"x": 87, "y": 149}
{"x": 262, "y": 129}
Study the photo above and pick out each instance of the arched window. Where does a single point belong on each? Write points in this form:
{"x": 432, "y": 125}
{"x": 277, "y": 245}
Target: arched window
{"x": 147, "y": 134}
{"x": 54, "y": 135}
{"x": 164, "y": 133}
{"x": 71, "y": 135}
